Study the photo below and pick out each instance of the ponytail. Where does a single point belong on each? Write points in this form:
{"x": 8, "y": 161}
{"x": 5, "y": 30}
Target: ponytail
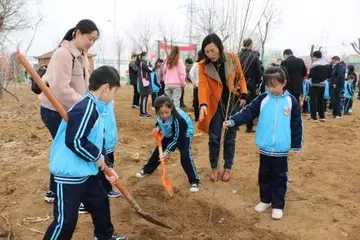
{"x": 69, "y": 35}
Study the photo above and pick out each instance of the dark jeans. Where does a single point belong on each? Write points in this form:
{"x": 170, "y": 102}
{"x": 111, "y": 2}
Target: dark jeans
{"x": 162, "y": 90}
{"x": 196, "y": 104}
{"x": 52, "y": 120}
{"x": 186, "y": 158}
{"x": 67, "y": 201}
{"x": 317, "y": 102}
{"x": 143, "y": 104}
{"x": 136, "y": 96}
{"x": 215, "y": 138}
{"x": 106, "y": 184}
{"x": 273, "y": 179}
{"x": 336, "y": 101}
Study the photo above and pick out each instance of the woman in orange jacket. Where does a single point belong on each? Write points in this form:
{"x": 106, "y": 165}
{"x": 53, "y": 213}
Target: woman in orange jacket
{"x": 222, "y": 91}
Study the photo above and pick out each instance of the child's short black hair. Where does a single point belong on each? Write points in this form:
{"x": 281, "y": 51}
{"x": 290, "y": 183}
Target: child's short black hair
{"x": 335, "y": 58}
{"x": 189, "y": 61}
{"x": 274, "y": 74}
{"x": 317, "y": 54}
{"x": 104, "y": 75}
{"x": 165, "y": 100}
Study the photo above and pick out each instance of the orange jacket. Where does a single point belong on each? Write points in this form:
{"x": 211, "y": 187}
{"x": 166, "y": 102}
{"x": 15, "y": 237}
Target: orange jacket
{"x": 210, "y": 86}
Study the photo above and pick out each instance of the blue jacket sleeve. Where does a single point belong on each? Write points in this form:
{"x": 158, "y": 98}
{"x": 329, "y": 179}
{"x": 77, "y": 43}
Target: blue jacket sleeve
{"x": 248, "y": 113}
{"x": 178, "y": 129}
{"x": 81, "y": 120}
{"x": 296, "y": 126}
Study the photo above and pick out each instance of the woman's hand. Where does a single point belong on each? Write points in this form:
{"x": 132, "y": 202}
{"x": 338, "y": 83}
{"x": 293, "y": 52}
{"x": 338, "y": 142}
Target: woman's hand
{"x": 203, "y": 113}
{"x": 242, "y": 103}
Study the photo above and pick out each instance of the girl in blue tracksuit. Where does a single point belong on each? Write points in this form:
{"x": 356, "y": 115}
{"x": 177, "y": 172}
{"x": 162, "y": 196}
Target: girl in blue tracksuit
{"x": 279, "y": 131}
{"x": 326, "y": 94}
{"x": 111, "y": 140}
{"x": 155, "y": 81}
{"x": 349, "y": 95}
{"x": 178, "y": 130}
{"x": 306, "y": 93}
{"x": 76, "y": 155}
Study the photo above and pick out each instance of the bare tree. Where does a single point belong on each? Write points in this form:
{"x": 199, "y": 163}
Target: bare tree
{"x": 356, "y": 46}
{"x": 271, "y": 17}
{"x": 119, "y": 49}
{"x": 141, "y": 33}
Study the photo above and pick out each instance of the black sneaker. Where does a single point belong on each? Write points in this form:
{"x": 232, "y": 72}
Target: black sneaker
{"x": 115, "y": 236}
{"x": 82, "y": 209}
{"x": 250, "y": 130}
{"x": 49, "y": 197}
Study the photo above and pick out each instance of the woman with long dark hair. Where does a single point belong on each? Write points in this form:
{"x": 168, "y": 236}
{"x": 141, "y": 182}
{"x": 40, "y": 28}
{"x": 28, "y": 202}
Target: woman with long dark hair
{"x": 67, "y": 76}
{"x": 222, "y": 91}
{"x": 144, "y": 83}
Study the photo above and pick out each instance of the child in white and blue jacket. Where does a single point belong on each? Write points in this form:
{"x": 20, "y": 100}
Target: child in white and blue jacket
{"x": 349, "y": 93}
{"x": 306, "y": 94}
{"x": 111, "y": 139}
{"x": 76, "y": 155}
{"x": 177, "y": 130}
{"x": 155, "y": 81}
{"x": 326, "y": 94}
{"x": 279, "y": 130}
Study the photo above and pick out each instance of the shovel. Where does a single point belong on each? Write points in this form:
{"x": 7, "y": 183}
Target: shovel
{"x": 165, "y": 180}
{"x": 64, "y": 115}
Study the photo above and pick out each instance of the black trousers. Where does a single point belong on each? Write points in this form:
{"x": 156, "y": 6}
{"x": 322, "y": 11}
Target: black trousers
{"x": 186, "y": 158}
{"x": 52, "y": 120}
{"x": 317, "y": 102}
{"x": 136, "y": 96}
{"x": 143, "y": 104}
{"x": 215, "y": 138}
{"x": 182, "y": 97}
{"x": 196, "y": 104}
{"x": 348, "y": 104}
{"x": 106, "y": 184}
{"x": 67, "y": 201}
{"x": 154, "y": 95}
{"x": 273, "y": 177}
{"x": 249, "y": 99}
{"x": 336, "y": 101}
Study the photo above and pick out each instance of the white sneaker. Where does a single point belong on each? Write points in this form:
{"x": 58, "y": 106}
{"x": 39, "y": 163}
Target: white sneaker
{"x": 277, "y": 214}
{"x": 194, "y": 188}
{"x": 261, "y": 207}
{"x": 322, "y": 120}
{"x": 141, "y": 174}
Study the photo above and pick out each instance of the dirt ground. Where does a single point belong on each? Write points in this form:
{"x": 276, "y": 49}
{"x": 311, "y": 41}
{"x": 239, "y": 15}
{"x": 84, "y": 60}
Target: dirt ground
{"x": 322, "y": 199}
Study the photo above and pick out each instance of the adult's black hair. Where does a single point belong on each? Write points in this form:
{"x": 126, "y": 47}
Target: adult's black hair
{"x": 165, "y": 100}
{"x": 275, "y": 73}
{"x": 247, "y": 43}
{"x": 212, "y": 38}
{"x": 200, "y": 56}
{"x": 104, "y": 75}
{"x": 84, "y": 26}
{"x": 288, "y": 52}
{"x": 336, "y": 58}
{"x": 139, "y": 58}
{"x": 189, "y": 61}
{"x": 133, "y": 55}
{"x": 317, "y": 54}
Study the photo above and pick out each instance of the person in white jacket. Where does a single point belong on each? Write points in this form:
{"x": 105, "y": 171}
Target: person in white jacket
{"x": 194, "y": 77}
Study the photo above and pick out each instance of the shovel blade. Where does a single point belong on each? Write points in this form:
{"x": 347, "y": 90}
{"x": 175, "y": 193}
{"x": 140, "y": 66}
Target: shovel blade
{"x": 149, "y": 218}
{"x": 167, "y": 186}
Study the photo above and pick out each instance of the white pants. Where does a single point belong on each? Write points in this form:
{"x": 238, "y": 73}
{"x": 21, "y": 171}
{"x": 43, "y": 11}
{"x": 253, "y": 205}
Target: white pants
{"x": 175, "y": 94}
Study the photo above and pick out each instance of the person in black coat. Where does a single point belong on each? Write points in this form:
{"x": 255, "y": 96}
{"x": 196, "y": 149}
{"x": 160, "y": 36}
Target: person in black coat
{"x": 319, "y": 72}
{"x": 144, "y": 83}
{"x": 251, "y": 67}
{"x": 337, "y": 81}
{"x": 133, "y": 74}
{"x": 296, "y": 71}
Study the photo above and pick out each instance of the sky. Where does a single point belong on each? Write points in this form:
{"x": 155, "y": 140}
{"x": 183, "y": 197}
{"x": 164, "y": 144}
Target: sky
{"x": 332, "y": 24}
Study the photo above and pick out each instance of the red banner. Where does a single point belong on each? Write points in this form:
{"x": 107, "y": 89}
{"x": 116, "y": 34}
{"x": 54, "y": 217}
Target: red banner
{"x": 167, "y": 47}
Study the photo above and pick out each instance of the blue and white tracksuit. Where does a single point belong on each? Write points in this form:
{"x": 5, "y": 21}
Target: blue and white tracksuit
{"x": 177, "y": 132}
{"x": 306, "y": 93}
{"x": 156, "y": 86}
{"x": 279, "y": 130}
{"x": 348, "y": 95}
{"x": 78, "y": 144}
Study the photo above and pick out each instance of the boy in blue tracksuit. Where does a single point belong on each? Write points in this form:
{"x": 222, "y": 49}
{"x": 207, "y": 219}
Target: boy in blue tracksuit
{"x": 349, "y": 95}
{"x": 326, "y": 94}
{"x": 111, "y": 140}
{"x": 76, "y": 155}
{"x": 177, "y": 128}
{"x": 279, "y": 131}
{"x": 155, "y": 81}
